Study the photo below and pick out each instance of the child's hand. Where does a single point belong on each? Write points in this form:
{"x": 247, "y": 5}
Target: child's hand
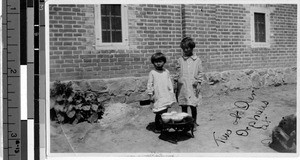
{"x": 151, "y": 98}
{"x": 195, "y": 84}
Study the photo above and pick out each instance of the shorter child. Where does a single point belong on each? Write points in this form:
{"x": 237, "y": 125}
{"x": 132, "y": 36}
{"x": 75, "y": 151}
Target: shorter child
{"x": 160, "y": 88}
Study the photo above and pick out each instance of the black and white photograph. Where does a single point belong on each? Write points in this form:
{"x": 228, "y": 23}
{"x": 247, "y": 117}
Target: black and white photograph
{"x": 171, "y": 79}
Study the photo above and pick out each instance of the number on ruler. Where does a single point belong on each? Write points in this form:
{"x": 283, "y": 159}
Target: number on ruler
{"x": 41, "y": 7}
{"x": 17, "y": 150}
{"x": 14, "y": 135}
{"x": 13, "y": 71}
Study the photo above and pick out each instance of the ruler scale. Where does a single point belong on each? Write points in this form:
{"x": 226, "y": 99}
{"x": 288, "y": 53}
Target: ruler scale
{"x": 36, "y": 81}
{"x": 30, "y": 80}
{"x": 11, "y": 80}
{"x": 23, "y": 62}
{"x": 23, "y": 27}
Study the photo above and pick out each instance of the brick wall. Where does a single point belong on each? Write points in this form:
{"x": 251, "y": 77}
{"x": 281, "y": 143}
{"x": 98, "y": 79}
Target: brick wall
{"x": 222, "y": 34}
{"x": 71, "y": 42}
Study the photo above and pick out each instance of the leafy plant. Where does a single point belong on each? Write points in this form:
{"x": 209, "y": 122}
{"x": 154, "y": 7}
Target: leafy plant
{"x": 71, "y": 106}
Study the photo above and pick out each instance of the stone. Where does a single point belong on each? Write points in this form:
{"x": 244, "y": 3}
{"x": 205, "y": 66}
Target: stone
{"x": 215, "y": 78}
{"x": 81, "y": 85}
{"x": 245, "y": 82}
{"x": 278, "y": 78}
{"x": 225, "y": 76}
{"x": 290, "y": 78}
{"x": 137, "y": 96}
{"x": 255, "y": 81}
{"x": 279, "y": 70}
{"x": 249, "y": 72}
{"x": 288, "y": 71}
{"x": 142, "y": 84}
{"x": 98, "y": 85}
{"x": 122, "y": 87}
{"x": 271, "y": 71}
{"x": 269, "y": 80}
{"x": 118, "y": 99}
{"x": 134, "y": 104}
{"x": 103, "y": 98}
{"x": 262, "y": 72}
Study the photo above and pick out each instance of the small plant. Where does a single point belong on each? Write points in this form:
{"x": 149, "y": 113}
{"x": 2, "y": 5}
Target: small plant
{"x": 61, "y": 89}
{"x": 69, "y": 106}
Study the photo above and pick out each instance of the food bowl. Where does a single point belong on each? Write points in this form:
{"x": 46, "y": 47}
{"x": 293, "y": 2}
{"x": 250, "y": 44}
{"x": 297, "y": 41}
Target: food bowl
{"x": 177, "y": 118}
{"x": 166, "y": 117}
{"x": 183, "y": 114}
{"x": 173, "y": 113}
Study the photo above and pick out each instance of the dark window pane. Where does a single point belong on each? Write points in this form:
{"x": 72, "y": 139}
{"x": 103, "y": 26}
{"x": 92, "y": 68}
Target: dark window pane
{"x": 106, "y": 36}
{"x": 116, "y": 10}
{"x": 105, "y": 9}
{"x": 260, "y": 27}
{"x": 116, "y": 36}
{"x": 116, "y": 22}
{"x": 105, "y": 23}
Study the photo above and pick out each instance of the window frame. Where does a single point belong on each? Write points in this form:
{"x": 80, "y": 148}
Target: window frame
{"x": 98, "y": 29}
{"x": 265, "y": 11}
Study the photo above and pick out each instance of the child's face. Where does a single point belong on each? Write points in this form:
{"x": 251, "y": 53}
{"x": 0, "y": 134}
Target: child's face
{"x": 159, "y": 64}
{"x": 187, "y": 51}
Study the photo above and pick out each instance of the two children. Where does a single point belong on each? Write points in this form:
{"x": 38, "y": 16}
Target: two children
{"x": 189, "y": 78}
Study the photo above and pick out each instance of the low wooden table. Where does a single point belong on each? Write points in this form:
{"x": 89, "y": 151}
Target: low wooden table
{"x": 187, "y": 124}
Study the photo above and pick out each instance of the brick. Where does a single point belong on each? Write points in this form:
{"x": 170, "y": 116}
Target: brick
{"x": 87, "y": 56}
{"x": 66, "y": 13}
{"x": 69, "y": 65}
{"x": 88, "y": 65}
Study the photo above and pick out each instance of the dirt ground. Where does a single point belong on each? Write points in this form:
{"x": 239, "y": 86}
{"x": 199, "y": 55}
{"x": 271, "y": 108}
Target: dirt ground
{"x": 125, "y": 129}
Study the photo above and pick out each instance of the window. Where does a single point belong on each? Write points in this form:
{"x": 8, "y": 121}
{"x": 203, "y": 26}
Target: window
{"x": 111, "y": 26}
{"x": 260, "y": 27}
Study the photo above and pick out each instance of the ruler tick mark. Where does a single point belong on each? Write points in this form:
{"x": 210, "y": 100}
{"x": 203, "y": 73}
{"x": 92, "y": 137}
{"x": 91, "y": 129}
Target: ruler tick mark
{"x": 12, "y": 45}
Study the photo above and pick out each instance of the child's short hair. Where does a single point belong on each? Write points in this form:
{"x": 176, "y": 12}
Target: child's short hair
{"x": 187, "y": 42}
{"x": 158, "y": 57}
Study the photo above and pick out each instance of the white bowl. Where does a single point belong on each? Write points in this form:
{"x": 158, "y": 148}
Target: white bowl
{"x": 173, "y": 112}
{"x": 167, "y": 114}
{"x": 165, "y": 118}
{"x": 183, "y": 114}
{"x": 176, "y": 118}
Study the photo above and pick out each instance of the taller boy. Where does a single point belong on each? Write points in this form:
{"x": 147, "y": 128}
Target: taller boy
{"x": 190, "y": 77}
